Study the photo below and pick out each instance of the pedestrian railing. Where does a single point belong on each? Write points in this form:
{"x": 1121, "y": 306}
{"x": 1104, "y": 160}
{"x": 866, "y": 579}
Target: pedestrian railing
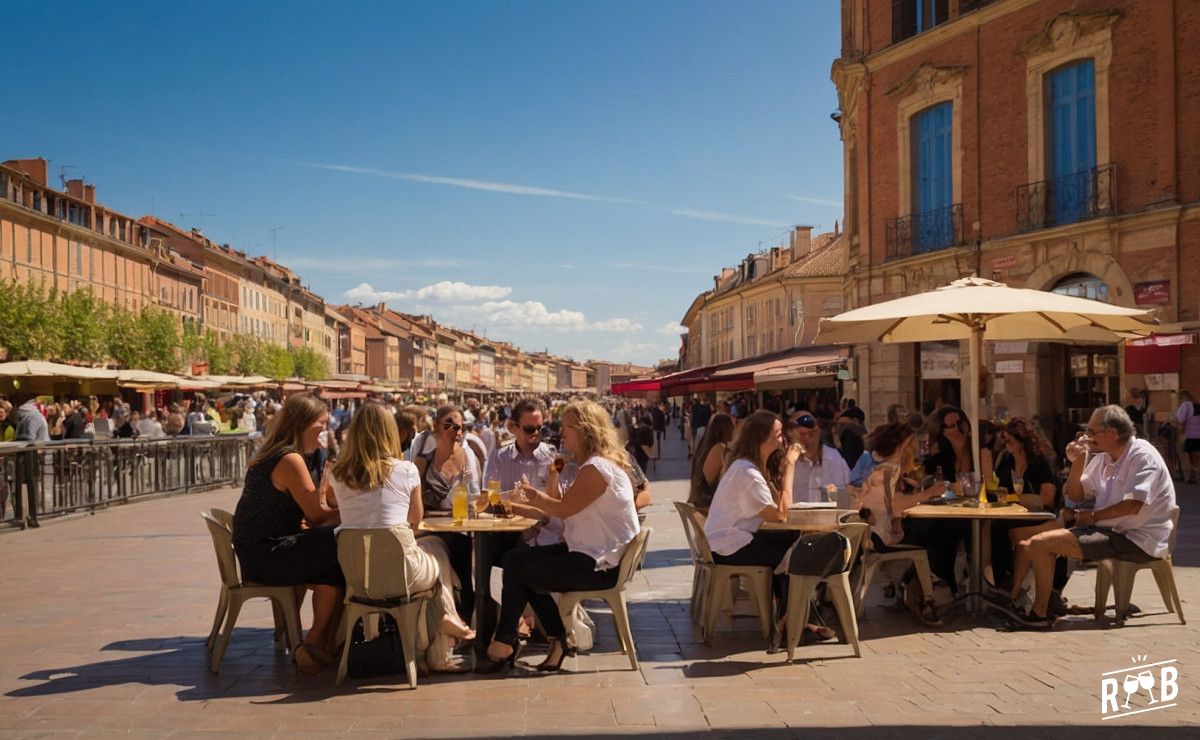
{"x": 82, "y": 475}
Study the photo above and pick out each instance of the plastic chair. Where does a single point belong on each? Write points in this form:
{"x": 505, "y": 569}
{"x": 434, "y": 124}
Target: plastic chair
{"x": 701, "y": 570}
{"x": 631, "y": 560}
{"x": 1119, "y": 575}
{"x": 234, "y": 593}
{"x": 377, "y": 583}
{"x": 802, "y": 588}
{"x": 717, "y": 589}
{"x": 872, "y": 559}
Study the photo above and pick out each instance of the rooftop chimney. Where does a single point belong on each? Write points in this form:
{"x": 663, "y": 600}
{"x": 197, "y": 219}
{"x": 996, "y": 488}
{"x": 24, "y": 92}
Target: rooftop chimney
{"x": 75, "y": 188}
{"x": 89, "y": 193}
{"x": 35, "y": 169}
{"x": 801, "y": 242}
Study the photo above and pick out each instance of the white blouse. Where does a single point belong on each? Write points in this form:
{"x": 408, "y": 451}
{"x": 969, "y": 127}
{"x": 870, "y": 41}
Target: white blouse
{"x": 733, "y": 518}
{"x": 381, "y": 507}
{"x": 608, "y": 524}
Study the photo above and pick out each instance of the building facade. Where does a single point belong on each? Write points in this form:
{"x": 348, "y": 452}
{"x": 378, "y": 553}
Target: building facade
{"x": 1037, "y": 142}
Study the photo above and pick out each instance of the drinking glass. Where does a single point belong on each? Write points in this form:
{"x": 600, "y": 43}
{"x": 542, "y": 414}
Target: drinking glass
{"x": 493, "y": 487}
{"x": 1130, "y": 685}
{"x": 1018, "y": 487}
{"x": 1146, "y": 681}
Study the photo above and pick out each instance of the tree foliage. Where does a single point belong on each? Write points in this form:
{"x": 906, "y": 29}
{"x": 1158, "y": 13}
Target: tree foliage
{"x": 309, "y": 364}
{"x": 30, "y": 322}
{"x": 83, "y": 319}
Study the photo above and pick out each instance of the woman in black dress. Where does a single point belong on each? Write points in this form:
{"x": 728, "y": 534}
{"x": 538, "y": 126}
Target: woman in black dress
{"x": 271, "y": 545}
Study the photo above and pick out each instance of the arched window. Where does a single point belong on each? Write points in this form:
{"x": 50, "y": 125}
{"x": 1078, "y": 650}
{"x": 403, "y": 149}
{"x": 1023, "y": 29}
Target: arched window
{"x": 1082, "y": 285}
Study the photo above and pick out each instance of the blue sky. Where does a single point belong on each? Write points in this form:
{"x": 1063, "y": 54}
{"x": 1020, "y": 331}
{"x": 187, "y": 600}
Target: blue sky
{"x": 563, "y": 175}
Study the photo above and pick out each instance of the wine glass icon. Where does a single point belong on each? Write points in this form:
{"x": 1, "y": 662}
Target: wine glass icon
{"x": 1146, "y": 680}
{"x": 1130, "y": 685}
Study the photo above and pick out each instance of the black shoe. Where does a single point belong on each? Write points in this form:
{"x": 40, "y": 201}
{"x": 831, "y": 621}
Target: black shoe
{"x": 486, "y": 664}
{"x": 555, "y": 654}
{"x": 33, "y": 524}
{"x": 1031, "y": 621}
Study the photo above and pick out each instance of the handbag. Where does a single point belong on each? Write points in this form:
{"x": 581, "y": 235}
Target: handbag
{"x": 381, "y": 656}
{"x": 823, "y": 555}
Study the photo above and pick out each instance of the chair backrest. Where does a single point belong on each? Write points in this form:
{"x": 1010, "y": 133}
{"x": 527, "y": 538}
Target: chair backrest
{"x": 702, "y": 547}
{"x": 373, "y": 561}
{"x": 1174, "y": 531}
{"x": 857, "y": 533}
{"x": 224, "y": 517}
{"x": 222, "y": 537}
{"x": 635, "y": 553}
{"x": 689, "y": 528}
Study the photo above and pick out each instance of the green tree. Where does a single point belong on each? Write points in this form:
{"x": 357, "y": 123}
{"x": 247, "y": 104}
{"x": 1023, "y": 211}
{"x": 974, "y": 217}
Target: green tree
{"x": 124, "y": 338}
{"x": 277, "y": 362}
{"x": 160, "y": 332}
{"x": 83, "y": 326}
{"x": 309, "y": 364}
{"x": 217, "y": 354}
{"x": 30, "y": 322}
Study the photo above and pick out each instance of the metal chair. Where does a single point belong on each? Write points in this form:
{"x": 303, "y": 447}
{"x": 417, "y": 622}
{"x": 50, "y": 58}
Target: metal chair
{"x": 801, "y": 589}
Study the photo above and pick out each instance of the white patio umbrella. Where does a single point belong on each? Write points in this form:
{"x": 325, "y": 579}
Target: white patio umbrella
{"x": 974, "y": 309}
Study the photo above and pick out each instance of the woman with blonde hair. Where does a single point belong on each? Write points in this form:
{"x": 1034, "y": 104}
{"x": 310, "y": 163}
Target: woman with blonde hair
{"x": 376, "y": 489}
{"x": 273, "y": 549}
{"x": 599, "y": 519}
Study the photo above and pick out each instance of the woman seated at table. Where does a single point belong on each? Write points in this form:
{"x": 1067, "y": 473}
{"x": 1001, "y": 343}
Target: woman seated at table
{"x": 745, "y": 498}
{"x": 599, "y": 521}
{"x": 271, "y": 546}
{"x": 442, "y": 460}
{"x": 884, "y": 499}
{"x": 709, "y": 460}
{"x": 376, "y": 489}
{"x": 950, "y": 453}
{"x": 1027, "y": 458}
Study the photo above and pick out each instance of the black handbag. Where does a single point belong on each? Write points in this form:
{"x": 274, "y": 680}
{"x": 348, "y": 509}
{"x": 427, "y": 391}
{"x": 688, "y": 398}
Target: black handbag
{"x": 822, "y": 555}
{"x": 382, "y": 656}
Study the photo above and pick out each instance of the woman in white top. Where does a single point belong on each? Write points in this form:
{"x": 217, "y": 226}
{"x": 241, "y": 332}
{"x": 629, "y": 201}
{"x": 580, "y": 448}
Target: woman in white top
{"x": 375, "y": 489}
{"x": 744, "y": 499}
{"x": 599, "y": 520}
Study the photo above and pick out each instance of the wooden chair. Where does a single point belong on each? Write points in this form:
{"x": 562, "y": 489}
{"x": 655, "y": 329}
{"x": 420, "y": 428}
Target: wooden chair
{"x": 235, "y": 592}
{"x": 377, "y": 583}
{"x": 801, "y": 589}
{"x": 631, "y": 560}
{"x": 1119, "y": 575}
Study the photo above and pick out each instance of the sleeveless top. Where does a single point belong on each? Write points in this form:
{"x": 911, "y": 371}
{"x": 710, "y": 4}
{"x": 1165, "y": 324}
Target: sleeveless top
{"x": 608, "y": 524}
{"x": 264, "y": 512}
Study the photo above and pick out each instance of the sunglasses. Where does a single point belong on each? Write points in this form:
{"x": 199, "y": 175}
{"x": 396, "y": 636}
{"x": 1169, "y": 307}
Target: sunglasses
{"x": 531, "y": 429}
{"x": 959, "y": 423}
{"x": 806, "y": 422}
{"x": 448, "y": 425}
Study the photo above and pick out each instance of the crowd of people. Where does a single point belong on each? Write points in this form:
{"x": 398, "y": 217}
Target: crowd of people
{"x": 1113, "y": 498}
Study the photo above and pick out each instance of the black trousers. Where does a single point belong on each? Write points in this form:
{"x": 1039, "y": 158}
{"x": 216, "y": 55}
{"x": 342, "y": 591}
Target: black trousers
{"x": 24, "y": 485}
{"x": 499, "y": 544}
{"x": 532, "y": 573}
{"x": 941, "y": 538}
{"x": 767, "y": 548}
{"x": 459, "y": 548}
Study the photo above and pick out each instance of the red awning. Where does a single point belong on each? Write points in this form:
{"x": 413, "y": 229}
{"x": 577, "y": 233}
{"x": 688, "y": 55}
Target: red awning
{"x": 640, "y": 385}
{"x": 1153, "y": 359}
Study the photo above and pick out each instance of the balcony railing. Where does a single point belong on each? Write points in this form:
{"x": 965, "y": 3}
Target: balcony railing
{"x": 924, "y": 232}
{"x": 1066, "y": 200}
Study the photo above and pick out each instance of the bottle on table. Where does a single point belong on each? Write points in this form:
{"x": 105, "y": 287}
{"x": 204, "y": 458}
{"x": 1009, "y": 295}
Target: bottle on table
{"x": 459, "y": 502}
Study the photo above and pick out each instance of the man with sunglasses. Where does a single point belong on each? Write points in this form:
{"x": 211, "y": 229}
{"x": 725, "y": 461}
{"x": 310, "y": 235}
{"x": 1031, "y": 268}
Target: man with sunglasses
{"x": 819, "y": 466}
{"x": 1131, "y": 520}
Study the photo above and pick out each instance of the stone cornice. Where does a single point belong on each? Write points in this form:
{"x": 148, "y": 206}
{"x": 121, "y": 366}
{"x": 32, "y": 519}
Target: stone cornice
{"x": 926, "y": 77}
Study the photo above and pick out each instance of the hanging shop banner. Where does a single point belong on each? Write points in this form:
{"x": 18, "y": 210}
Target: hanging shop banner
{"x": 1152, "y": 293}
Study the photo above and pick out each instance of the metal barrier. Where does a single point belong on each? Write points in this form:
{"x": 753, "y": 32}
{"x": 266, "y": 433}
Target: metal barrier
{"x": 76, "y": 476}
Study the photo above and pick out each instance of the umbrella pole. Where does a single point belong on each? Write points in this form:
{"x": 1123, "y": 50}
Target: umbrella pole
{"x": 975, "y": 362}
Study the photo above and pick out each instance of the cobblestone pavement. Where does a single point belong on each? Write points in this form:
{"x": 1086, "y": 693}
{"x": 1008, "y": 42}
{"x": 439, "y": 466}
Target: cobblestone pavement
{"x": 103, "y": 621}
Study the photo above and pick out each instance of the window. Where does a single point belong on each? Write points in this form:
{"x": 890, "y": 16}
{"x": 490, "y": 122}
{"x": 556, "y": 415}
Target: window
{"x": 910, "y": 17}
{"x": 933, "y": 178}
{"x": 1070, "y": 140}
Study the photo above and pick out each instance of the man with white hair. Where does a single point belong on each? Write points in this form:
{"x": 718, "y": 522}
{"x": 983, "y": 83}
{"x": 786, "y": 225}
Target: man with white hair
{"x": 1131, "y": 520}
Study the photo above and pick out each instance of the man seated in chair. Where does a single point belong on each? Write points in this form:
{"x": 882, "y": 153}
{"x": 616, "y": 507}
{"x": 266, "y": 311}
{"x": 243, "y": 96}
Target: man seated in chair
{"x": 1134, "y": 497}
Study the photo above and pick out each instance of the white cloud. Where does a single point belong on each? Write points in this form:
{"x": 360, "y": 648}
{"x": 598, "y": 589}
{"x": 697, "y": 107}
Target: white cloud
{"x": 495, "y": 187}
{"x": 673, "y": 328}
{"x": 813, "y": 201}
{"x": 617, "y": 325}
{"x": 727, "y": 217}
{"x": 529, "y": 315}
{"x": 444, "y": 291}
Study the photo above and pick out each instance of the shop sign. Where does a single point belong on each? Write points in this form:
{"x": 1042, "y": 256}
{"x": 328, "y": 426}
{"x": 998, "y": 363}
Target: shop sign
{"x": 1004, "y": 263}
{"x": 1162, "y": 381}
{"x": 1010, "y": 367}
{"x": 1011, "y": 348}
{"x": 935, "y": 364}
{"x": 1152, "y": 293}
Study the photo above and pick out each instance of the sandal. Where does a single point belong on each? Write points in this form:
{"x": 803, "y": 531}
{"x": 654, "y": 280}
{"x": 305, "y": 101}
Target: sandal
{"x": 818, "y": 633}
{"x": 926, "y": 610}
{"x": 310, "y": 659}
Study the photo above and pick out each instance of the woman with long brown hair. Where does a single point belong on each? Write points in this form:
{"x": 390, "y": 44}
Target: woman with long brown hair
{"x": 375, "y": 488}
{"x": 709, "y": 461}
{"x": 599, "y": 521}
{"x": 271, "y": 545}
{"x": 1027, "y": 459}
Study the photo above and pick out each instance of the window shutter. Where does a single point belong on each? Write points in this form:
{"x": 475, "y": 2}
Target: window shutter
{"x": 904, "y": 19}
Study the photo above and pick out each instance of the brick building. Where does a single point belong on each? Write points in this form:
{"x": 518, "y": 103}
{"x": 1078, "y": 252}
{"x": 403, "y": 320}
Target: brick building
{"x": 1048, "y": 144}
{"x": 221, "y": 265}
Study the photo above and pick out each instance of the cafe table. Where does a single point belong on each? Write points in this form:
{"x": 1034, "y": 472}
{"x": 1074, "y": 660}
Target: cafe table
{"x": 481, "y": 529}
{"x": 970, "y": 509}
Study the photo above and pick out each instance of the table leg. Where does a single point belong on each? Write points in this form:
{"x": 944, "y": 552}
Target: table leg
{"x": 976, "y": 585}
{"x": 485, "y": 619}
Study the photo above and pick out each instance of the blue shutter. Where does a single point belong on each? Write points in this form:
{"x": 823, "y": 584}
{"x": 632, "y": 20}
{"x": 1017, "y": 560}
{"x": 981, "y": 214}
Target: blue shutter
{"x": 933, "y": 179}
{"x": 1071, "y": 141}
